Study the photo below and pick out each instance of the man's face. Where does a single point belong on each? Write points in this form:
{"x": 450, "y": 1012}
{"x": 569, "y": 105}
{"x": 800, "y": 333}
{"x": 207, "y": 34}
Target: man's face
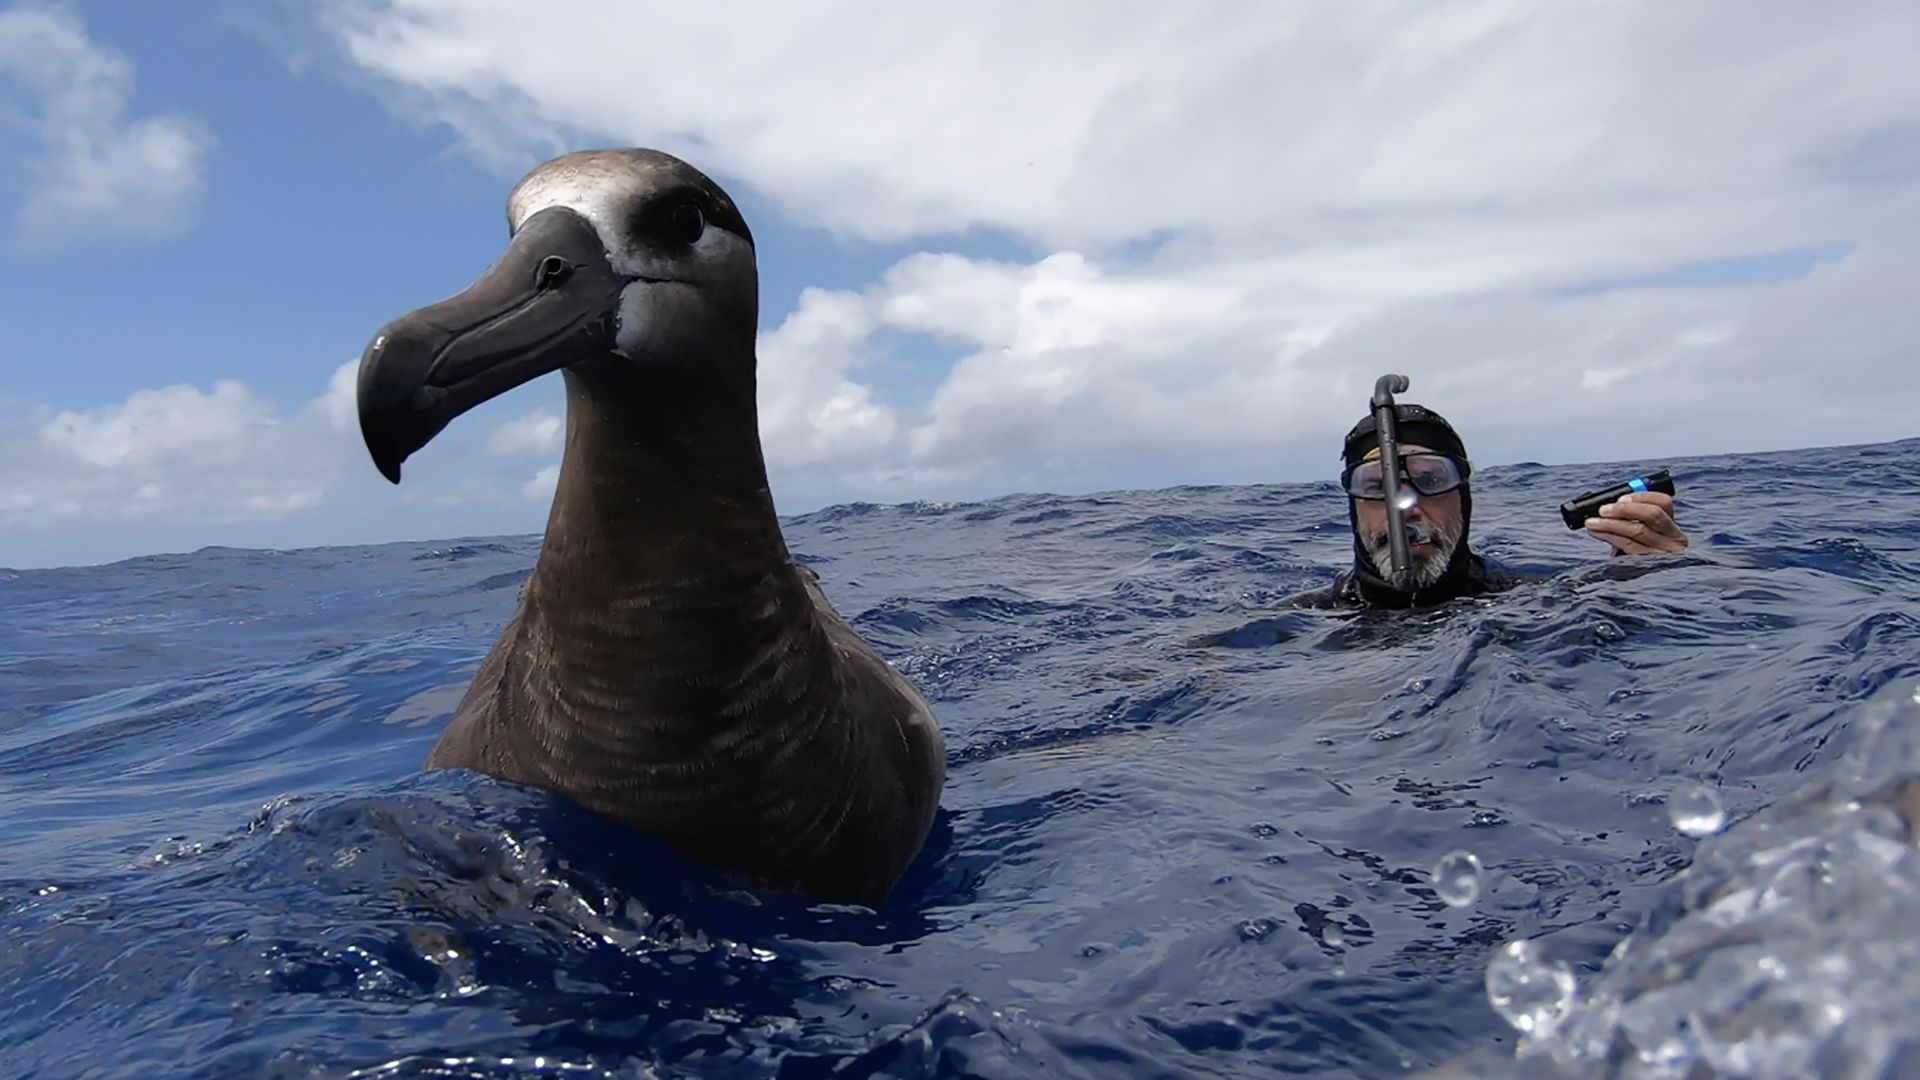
{"x": 1433, "y": 526}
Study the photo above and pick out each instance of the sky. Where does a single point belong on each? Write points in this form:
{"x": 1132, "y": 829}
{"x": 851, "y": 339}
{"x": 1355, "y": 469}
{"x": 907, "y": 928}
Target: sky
{"x": 1075, "y": 246}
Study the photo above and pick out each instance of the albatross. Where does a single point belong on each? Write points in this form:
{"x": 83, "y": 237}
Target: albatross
{"x": 669, "y": 666}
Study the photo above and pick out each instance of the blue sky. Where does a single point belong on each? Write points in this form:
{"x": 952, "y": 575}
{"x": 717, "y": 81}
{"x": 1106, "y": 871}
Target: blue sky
{"x": 1105, "y": 246}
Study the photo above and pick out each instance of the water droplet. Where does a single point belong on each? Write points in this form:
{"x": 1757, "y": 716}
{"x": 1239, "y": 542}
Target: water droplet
{"x": 1333, "y": 935}
{"x": 1695, "y": 809}
{"x": 1878, "y": 821}
{"x": 1456, "y": 878}
{"x": 1257, "y": 929}
{"x": 1530, "y": 993}
{"x": 1406, "y": 500}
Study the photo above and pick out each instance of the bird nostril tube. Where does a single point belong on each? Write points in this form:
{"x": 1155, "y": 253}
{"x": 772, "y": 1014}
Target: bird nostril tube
{"x": 552, "y": 271}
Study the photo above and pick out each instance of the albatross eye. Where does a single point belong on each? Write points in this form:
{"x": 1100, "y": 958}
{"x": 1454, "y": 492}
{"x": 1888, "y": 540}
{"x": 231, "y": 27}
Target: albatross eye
{"x": 685, "y": 223}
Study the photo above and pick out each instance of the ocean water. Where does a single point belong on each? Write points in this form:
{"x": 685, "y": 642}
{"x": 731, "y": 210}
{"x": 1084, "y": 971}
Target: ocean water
{"x": 1185, "y": 832}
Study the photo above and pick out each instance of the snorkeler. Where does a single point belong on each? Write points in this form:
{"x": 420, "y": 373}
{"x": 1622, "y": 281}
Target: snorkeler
{"x": 1435, "y": 499}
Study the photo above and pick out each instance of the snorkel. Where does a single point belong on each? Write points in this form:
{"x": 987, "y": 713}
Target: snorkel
{"x": 1383, "y": 390}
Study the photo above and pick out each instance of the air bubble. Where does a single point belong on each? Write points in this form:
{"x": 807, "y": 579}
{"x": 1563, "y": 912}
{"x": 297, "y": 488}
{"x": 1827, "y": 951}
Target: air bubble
{"x": 1695, "y": 810}
{"x": 1531, "y": 994}
{"x": 1456, "y": 878}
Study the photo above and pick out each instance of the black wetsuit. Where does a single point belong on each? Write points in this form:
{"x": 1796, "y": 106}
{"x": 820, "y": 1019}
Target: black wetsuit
{"x": 1360, "y": 587}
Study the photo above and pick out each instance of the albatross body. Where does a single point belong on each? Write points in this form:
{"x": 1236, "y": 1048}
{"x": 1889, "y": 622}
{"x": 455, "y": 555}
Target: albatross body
{"x": 669, "y": 666}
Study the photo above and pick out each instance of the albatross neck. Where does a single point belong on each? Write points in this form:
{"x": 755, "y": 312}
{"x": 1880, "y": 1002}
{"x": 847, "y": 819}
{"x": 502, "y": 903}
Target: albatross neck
{"x": 660, "y": 486}
{"x": 664, "y": 615}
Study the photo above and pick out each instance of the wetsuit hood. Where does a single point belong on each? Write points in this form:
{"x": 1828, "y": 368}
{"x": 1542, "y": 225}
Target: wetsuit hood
{"x": 1466, "y": 573}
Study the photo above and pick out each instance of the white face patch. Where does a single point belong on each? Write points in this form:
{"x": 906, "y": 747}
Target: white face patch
{"x": 652, "y": 312}
{"x": 642, "y": 322}
{"x": 593, "y": 191}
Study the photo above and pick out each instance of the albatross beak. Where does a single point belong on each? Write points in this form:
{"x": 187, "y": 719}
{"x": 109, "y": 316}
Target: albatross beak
{"x": 551, "y": 299}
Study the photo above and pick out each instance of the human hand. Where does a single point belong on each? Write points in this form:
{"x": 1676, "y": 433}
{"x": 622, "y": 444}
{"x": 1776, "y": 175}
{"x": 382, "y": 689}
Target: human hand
{"x": 1639, "y": 523}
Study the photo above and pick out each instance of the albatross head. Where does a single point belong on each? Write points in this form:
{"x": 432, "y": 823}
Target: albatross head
{"x": 623, "y": 264}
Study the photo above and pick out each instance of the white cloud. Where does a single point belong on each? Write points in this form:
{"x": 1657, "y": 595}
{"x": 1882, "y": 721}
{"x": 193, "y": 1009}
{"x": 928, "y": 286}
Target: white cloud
{"x": 157, "y": 428}
{"x": 1072, "y": 361}
{"x": 339, "y": 403}
{"x": 87, "y": 167}
{"x": 810, "y": 412}
{"x": 176, "y": 453}
{"x": 183, "y": 466}
{"x": 285, "y": 502}
{"x": 1102, "y": 120}
{"x": 538, "y": 432}
{"x": 1253, "y": 211}
{"x": 542, "y": 484}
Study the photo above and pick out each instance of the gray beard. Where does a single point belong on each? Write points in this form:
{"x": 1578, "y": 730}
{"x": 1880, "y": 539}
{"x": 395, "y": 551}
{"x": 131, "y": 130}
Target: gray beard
{"x": 1425, "y": 572}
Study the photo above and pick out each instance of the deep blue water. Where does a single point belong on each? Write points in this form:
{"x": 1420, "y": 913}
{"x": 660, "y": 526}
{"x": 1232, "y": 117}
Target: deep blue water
{"x": 1184, "y": 832}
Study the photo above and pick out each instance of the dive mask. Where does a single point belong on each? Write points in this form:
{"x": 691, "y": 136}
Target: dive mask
{"x": 1426, "y": 472}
